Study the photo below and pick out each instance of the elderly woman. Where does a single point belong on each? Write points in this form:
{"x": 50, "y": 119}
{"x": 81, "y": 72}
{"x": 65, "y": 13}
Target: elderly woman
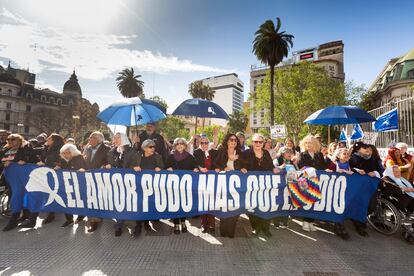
{"x": 122, "y": 155}
{"x": 15, "y": 150}
{"x": 180, "y": 159}
{"x": 394, "y": 157}
{"x": 268, "y": 145}
{"x": 258, "y": 159}
{"x": 148, "y": 159}
{"x": 403, "y": 147}
{"x": 204, "y": 158}
{"x": 310, "y": 157}
{"x": 72, "y": 159}
{"x": 402, "y": 189}
{"x": 228, "y": 160}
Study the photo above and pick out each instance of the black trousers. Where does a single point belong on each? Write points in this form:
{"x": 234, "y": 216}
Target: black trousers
{"x": 228, "y": 226}
{"x": 258, "y": 223}
{"x": 178, "y": 220}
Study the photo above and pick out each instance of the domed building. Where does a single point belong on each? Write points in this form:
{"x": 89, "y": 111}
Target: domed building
{"x": 394, "y": 81}
{"x": 20, "y": 103}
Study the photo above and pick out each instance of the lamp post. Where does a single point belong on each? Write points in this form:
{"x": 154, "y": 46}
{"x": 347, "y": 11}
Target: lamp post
{"x": 20, "y": 128}
{"x": 75, "y": 118}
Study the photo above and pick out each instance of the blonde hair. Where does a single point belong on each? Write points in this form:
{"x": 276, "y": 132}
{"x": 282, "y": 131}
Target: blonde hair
{"x": 15, "y": 136}
{"x": 311, "y": 139}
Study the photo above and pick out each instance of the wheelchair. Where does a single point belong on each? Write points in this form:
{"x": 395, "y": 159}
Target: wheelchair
{"x": 5, "y": 209}
{"x": 386, "y": 217}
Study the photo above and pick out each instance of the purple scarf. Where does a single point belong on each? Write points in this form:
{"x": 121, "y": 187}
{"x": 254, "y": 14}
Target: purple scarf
{"x": 180, "y": 156}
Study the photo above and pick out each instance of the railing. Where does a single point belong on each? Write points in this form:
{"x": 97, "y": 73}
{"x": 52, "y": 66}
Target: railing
{"x": 405, "y": 132}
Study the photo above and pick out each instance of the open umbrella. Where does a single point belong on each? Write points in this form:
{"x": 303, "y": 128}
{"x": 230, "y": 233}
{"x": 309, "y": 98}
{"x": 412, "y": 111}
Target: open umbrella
{"x": 339, "y": 115}
{"x": 132, "y": 112}
{"x": 200, "y": 108}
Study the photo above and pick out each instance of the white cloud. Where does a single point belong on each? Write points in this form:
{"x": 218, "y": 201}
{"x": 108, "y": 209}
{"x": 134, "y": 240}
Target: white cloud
{"x": 95, "y": 56}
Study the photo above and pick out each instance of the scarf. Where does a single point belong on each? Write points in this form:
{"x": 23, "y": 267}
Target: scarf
{"x": 343, "y": 166}
{"x": 180, "y": 156}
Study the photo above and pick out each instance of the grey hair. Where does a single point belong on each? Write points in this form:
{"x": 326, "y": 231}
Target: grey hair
{"x": 147, "y": 143}
{"x": 180, "y": 140}
{"x": 401, "y": 145}
{"x": 257, "y": 135}
{"x": 98, "y": 135}
{"x": 72, "y": 148}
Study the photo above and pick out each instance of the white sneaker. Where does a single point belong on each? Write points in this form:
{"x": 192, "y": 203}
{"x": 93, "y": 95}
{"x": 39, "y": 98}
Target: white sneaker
{"x": 312, "y": 227}
{"x": 306, "y": 226}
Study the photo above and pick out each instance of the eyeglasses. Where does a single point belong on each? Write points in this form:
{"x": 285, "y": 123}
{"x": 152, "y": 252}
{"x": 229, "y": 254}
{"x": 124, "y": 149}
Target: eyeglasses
{"x": 258, "y": 142}
{"x": 233, "y": 140}
{"x": 180, "y": 144}
{"x": 150, "y": 147}
{"x": 204, "y": 143}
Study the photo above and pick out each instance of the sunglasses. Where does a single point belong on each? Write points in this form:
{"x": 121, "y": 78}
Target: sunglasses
{"x": 150, "y": 147}
{"x": 204, "y": 143}
{"x": 258, "y": 142}
{"x": 180, "y": 144}
{"x": 233, "y": 140}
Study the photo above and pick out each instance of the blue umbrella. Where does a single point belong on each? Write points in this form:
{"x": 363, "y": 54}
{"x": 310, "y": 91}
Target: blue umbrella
{"x": 200, "y": 108}
{"x": 132, "y": 112}
{"x": 339, "y": 115}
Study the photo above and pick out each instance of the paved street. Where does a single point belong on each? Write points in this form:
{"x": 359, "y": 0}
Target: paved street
{"x": 50, "y": 250}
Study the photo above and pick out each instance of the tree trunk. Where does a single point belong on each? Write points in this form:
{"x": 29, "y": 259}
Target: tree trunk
{"x": 272, "y": 96}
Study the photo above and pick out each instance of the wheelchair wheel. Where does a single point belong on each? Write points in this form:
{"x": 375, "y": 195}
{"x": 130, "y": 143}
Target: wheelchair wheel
{"x": 386, "y": 219}
{"x": 5, "y": 204}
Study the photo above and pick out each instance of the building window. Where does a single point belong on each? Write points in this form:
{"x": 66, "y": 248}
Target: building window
{"x": 43, "y": 98}
{"x": 59, "y": 101}
{"x": 6, "y": 126}
{"x": 7, "y": 116}
{"x": 8, "y": 105}
{"x": 26, "y": 129}
{"x": 29, "y": 96}
{"x": 255, "y": 82}
{"x": 51, "y": 100}
{"x": 410, "y": 74}
{"x": 28, "y": 108}
{"x": 255, "y": 122}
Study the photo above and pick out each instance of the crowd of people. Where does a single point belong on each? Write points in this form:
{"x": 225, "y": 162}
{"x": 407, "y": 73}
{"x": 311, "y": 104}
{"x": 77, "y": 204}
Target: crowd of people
{"x": 150, "y": 151}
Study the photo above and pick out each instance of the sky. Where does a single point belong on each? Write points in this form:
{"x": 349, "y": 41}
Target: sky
{"x": 174, "y": 42}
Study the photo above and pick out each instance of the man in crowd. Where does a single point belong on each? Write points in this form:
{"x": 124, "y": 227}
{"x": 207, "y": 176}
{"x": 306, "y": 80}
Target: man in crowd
{"x": 3, "y": 137}
{"x": 96, "y": 157}
{"x": 151, "y": 133}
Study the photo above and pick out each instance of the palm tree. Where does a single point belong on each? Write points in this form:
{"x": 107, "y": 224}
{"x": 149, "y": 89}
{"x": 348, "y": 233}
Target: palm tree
{"x": 129, "y": 84}
{"x": 270, "y": 46}
{"x": 198, "y": 90}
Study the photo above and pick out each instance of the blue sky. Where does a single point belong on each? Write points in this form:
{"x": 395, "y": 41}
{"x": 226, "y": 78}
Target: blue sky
{"x": 172, "y": 43}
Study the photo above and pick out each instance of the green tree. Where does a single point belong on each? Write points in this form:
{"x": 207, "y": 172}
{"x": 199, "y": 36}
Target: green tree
{"x": 354, "y": 93}
{"x": 270, "y": 46}
{"x": 129, "y": 84}
{"x": 301, "y": 90}
{"x": 237, "y": 122}
{"x": 199, "y": 90}
{"x": 160, "y": 100}
{"x": 173, "y": 127}
{"x": 209, "y": 131}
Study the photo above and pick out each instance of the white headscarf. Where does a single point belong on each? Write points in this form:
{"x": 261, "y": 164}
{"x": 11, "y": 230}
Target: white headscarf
{"x": 124, "y": 142}
{"x": 401, "y": 181}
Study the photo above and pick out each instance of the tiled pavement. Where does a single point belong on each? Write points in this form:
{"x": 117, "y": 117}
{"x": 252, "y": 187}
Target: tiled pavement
{"x": 50, "y": 250}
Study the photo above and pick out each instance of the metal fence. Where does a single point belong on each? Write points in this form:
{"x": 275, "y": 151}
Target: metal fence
{"x": 405, "y": 132}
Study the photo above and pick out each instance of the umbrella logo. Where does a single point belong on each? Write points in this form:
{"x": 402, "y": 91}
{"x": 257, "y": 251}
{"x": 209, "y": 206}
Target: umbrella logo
{"x": 38, "y": 182}
{"x": 211, "y": 110}
{"x": 139, "y": 118}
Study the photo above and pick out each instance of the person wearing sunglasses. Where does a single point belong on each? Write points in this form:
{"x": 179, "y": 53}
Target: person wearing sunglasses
{"x": 148, "y": 159}
{"x": 122, "y": 155}
{"x": 180, "y": 159}
{"x": 258, "y": 159}
{"x": 228, "y": 160}
{"x": 16, "y": 150}
{"x": 204, "y": 157}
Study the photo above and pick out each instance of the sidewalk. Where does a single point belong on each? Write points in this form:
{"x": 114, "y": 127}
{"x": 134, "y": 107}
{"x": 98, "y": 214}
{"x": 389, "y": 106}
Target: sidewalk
{"x": 50, "y": 250}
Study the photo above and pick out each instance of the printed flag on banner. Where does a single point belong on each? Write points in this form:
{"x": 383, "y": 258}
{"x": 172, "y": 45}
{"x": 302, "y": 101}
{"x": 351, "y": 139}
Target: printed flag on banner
{"x": 387, "y": 121}
{"x": 342, "y": 136}
{"x": 357, "y": 133}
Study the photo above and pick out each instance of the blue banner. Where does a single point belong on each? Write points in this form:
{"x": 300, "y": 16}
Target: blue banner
{"x": 148, "y": 195}
{"x": 387, "y": 121}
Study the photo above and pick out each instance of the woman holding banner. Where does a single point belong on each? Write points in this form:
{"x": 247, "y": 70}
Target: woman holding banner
{"x": 72, "y": 159}
{"x": 228, "y": 160}
{"x": 16, "y": 150}
{"x": 258, "y": 159}
{"x": 148, "y": 159}
{"x": 204, "y": 158}
{"x": 180, "y": 159}
{"x": 122, "y": 155}
{"x": 310, "y": 157}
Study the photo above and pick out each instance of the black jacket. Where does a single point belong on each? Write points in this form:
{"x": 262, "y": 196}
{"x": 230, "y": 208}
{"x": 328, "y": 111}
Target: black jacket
{"x": 220, "y": 162}
{"x": 189, "y": 163}
{"x": 100, "y": 158}
{"x": 128, "y": 159}
{"x": 159, "y": 143}
{"x": 251, "y": 163}
{"x": 367, "y": 165}
{"x": 76, "y": 163}
{"x": 151, "y": 162}
{"x": 200, "y": 157}
{"x": 317, "y": 162}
